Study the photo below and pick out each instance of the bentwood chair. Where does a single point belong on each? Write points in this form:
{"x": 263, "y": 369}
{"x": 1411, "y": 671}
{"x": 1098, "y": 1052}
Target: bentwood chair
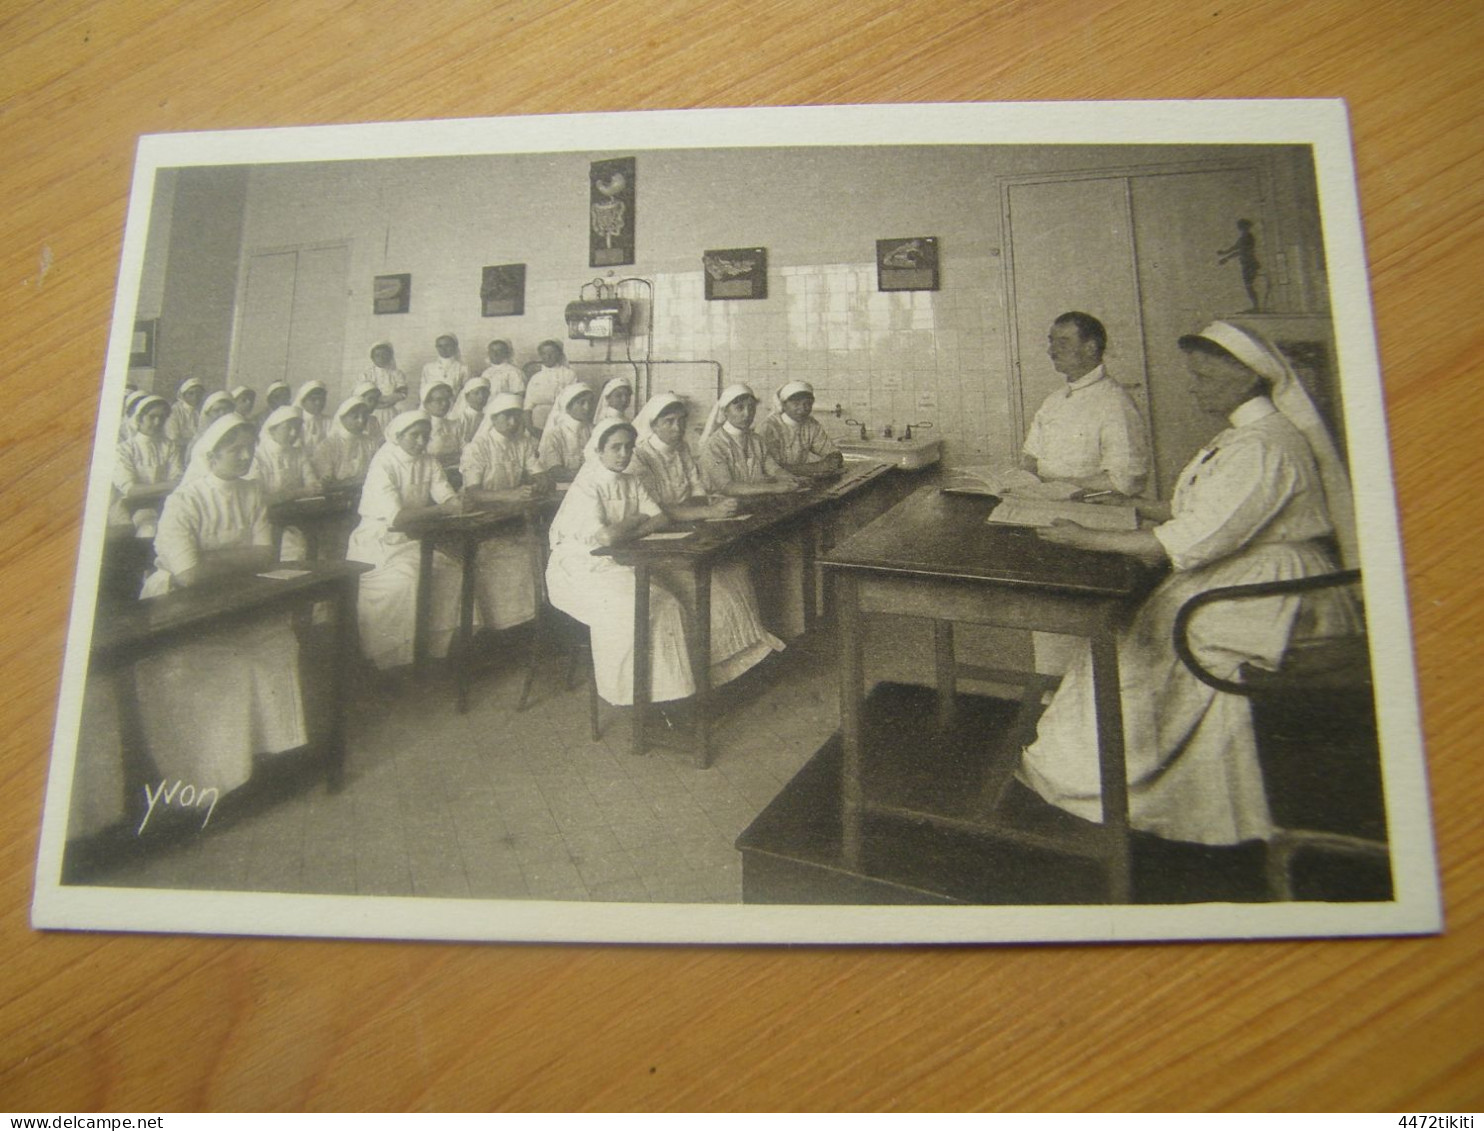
{"x": 1315, "y": 725}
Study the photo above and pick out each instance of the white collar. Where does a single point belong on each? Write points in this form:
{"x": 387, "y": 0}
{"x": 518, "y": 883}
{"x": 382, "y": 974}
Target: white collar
{"x": 1249, "y": 412}
{"x": 1091, "y": 377}
{"x": 732, "y": 430}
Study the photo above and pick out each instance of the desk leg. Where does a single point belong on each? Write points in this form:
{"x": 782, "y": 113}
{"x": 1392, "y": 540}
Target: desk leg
{"x": 1108, "y": 700}
{"x": 138, "y": 766}
{"x": 424, "y": 606}
{"x": 699, "y": 647}
{"x": 345, "y": 649}
{"x": 852, "y": 692}
{"x": 806, "y": 556}
{"x": 642, "y": 658}
{"x": 945, "y": 667}
{"x": 467, "y": 584}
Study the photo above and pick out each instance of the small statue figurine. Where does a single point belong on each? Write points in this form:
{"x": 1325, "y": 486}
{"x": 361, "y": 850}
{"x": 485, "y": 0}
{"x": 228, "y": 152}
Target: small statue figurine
{"x": 1244, "y": 251}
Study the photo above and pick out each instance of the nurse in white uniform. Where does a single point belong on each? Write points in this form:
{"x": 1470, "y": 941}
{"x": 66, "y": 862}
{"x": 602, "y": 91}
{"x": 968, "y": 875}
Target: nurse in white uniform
{"x": 1261, "y": 502}
{"x": 567, "y": 431}
{"x": 403, "y": 483}
{"x": 606, "y": 506}
{"x": 345, "y": 453}
{"x": 665, "y": 466}
{"x": 210, "y": 705}
{"x": 500, "y": 466}
{"x": 283, "y": 470}
{"x": 148, "y": 464}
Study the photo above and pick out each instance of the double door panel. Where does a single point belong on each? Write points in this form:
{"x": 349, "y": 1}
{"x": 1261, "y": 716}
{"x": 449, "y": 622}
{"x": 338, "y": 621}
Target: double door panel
{"x": 1139, "y": 252}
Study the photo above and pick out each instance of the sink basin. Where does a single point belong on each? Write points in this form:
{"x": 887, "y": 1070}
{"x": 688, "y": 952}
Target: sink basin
{"x": 908, "y": 454}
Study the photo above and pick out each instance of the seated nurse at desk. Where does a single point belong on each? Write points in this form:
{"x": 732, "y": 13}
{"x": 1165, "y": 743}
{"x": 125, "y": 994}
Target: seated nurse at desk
{"x": 1089, "y": 433}
{"x": 403, "y": 484}
{"x": 663, "y": 464}
{"x": 284, "y": 471}
{"x": 210, "y": 705}
{"x": 1261, "y": 502}
{"x": 733, "y": 458}
{"x": 567, "y": 431}
{"x": 148, "y": 466}
{"x": 607, "y": 506}
{"x": 500, "y": 466}
{"x": 342, "y": 457}
{"x": 795, "y": 439}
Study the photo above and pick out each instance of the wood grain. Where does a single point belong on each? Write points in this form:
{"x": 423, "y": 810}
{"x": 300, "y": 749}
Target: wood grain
{"x": 145, "y": 1023}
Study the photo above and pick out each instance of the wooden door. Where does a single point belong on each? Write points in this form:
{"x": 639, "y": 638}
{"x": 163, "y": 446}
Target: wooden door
{"x": 292, "y": 319}
{"x": 1181, "y": 221}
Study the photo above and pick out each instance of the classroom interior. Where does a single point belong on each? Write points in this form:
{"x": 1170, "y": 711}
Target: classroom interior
{"x": 253, "y": 273}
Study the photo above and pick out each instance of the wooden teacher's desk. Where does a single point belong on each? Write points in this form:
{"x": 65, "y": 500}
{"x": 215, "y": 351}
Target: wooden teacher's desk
{"x": 934, "y": 556}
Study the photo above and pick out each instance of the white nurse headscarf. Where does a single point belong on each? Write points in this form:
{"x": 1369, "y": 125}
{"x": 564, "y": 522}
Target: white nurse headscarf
{"x": 1265, "y": 359}
{"x": 718, "y": 414}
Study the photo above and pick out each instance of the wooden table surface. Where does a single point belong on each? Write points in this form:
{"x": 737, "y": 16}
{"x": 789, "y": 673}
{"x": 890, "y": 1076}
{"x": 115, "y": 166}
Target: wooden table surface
{"x": 100, "y": 1022}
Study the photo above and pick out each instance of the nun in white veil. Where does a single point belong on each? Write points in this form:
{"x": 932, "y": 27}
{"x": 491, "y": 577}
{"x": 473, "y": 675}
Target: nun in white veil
{"x": 1265, "y": 500}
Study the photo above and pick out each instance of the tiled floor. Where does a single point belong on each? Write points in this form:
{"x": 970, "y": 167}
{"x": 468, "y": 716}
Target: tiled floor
{"x": 499, "y": 804}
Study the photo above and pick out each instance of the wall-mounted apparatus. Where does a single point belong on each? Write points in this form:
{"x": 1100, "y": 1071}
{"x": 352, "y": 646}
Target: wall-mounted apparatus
{"x": 601, "y": 318}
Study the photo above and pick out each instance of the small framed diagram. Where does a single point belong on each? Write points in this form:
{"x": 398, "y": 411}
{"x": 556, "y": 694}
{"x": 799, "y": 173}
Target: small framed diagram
{"x": 502, "y": 290}
{"x": 142, "y": 349}
{"x": 907, "y": 264}
{"x": 611, "y": 208}
{"x": 391, "y": 294}
{"x": 739, "y": 272}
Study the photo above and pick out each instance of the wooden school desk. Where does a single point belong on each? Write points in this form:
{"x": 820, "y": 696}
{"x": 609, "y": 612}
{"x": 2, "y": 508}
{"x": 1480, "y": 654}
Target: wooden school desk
{"x": 776, "y": 518}
{"x": 313, "y": 516}
{"x": 934, "y": 556}
{"x": 466, "y": 532}
{"x": 124, "y": 634}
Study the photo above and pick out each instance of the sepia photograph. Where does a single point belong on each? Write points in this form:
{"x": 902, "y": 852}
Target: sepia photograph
{"x": 1038, "y": 579}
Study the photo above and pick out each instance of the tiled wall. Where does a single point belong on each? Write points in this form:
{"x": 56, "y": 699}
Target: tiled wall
{"x": 885, "y": 358}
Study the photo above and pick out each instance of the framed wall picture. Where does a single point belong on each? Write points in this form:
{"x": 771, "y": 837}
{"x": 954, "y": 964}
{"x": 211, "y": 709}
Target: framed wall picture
{"x": 739, "y": 272}
{"x": 142, "y": 349}
{"x": 907, "y": 264}
{"x": 611, "y": 208}
{"x": 391, "y": 294}
{"x": 503, "y": 290}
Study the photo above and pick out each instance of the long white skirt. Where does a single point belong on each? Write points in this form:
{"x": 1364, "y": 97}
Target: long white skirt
{"x": 1192, "y": 761}
{"x": 210, "y": 705}
{"x": 387, "y": 606}
{"x": 738, "y": 639}
{"x": 600, "y": 593}
{"x": 506, "y": 583}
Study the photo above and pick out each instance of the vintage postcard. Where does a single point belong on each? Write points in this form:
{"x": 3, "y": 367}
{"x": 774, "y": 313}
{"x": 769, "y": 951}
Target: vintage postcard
{"x": 635, "y": 590}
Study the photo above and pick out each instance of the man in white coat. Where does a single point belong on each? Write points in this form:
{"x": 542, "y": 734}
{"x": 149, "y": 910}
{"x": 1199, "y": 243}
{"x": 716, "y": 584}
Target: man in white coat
{"x": 1088, "y": 433}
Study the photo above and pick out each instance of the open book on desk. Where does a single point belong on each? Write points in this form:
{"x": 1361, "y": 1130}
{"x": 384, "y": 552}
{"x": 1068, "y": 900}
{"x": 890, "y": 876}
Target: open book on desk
{"x": 1006, "y": 483}
{"x": 1039, "y": 512}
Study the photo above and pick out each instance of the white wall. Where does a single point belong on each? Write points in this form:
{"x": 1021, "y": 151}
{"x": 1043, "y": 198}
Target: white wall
{"x": 886, "y": 358}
